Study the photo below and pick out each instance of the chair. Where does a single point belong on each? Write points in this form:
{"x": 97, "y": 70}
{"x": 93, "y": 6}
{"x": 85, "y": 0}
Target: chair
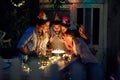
{"x": 4, "y": 43}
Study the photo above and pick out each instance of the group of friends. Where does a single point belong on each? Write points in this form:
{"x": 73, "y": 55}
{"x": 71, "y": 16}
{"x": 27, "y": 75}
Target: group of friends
{"x": 46, "y": 36}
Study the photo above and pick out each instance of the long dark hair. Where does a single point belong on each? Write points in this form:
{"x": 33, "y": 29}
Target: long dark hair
{"x": 77, "y": 34}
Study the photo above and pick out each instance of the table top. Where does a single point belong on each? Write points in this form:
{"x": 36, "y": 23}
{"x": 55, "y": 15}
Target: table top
{"x": 36, "y": 73}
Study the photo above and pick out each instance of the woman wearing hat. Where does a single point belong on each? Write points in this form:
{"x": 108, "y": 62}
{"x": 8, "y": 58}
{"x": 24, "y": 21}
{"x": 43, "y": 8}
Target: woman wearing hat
{"x": 67, "y": 35}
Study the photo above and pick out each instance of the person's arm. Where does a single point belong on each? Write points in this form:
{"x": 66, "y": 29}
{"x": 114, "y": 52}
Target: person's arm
{"x": 70, "y": 45}
{"x": 23, "y": 41}
{"x": 23, "y": 50}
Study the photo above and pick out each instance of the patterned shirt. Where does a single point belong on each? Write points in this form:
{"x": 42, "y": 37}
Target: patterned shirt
{"x": 29, "y": 39}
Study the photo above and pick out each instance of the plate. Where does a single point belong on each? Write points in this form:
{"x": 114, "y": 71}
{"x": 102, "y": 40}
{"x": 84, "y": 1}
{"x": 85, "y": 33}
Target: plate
{"x": 57, "y": 51}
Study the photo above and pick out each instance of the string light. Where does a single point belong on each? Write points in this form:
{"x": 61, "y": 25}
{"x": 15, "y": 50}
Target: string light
{"x": 19, "y": 4}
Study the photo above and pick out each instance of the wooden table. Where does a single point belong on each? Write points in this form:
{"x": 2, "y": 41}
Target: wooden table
{"x": 15, "y": 72}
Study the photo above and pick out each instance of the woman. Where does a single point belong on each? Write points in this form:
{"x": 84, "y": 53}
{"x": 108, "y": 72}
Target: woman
{"x": 69, "y": 42}
{"x": 93, "y": 68}
{"x": 43, "y": 38}
{"x": 67, "y": 35}
{"x": 81, "y": 33}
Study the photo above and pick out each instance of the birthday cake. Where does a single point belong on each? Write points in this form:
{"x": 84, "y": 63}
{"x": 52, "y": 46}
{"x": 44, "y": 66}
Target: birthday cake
{"x": 58, "y": 51}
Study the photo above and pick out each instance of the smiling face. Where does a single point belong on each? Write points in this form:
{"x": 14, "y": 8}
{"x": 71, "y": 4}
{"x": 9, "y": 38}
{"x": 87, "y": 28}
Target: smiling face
{"x": 64, "y": 29}
{"x": 46, "y": 26}
{"x": 56, "y": 28}
{"x": 39, "y": 28}
{"x": 43, "y": 27}
{"x": 81, "y": 29}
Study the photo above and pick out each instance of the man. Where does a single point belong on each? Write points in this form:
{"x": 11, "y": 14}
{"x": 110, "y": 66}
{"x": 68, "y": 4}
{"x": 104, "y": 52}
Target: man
{"x": 29, "y": 39}
{"x": 55, "y": 39}
{"x": 28, "y": 45}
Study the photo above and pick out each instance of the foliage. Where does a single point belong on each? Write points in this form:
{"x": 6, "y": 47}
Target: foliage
{"x": 18, "y": 21}
{"x": 58, "y": 4}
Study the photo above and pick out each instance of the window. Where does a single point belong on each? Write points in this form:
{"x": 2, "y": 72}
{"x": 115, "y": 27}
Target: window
{"x": 89, "y": 17}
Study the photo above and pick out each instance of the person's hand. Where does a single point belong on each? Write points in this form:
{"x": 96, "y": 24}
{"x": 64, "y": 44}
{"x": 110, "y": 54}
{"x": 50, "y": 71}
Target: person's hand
{"x": 33, "y": 54}
{"x": 44, "y": 31}
{"x": 62, "y": 40}
{"x": 83, "y": 35}
{"x": 39, "y": 51}
{"x": 49, "y": 50}
{"x": 51, "y": 39}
